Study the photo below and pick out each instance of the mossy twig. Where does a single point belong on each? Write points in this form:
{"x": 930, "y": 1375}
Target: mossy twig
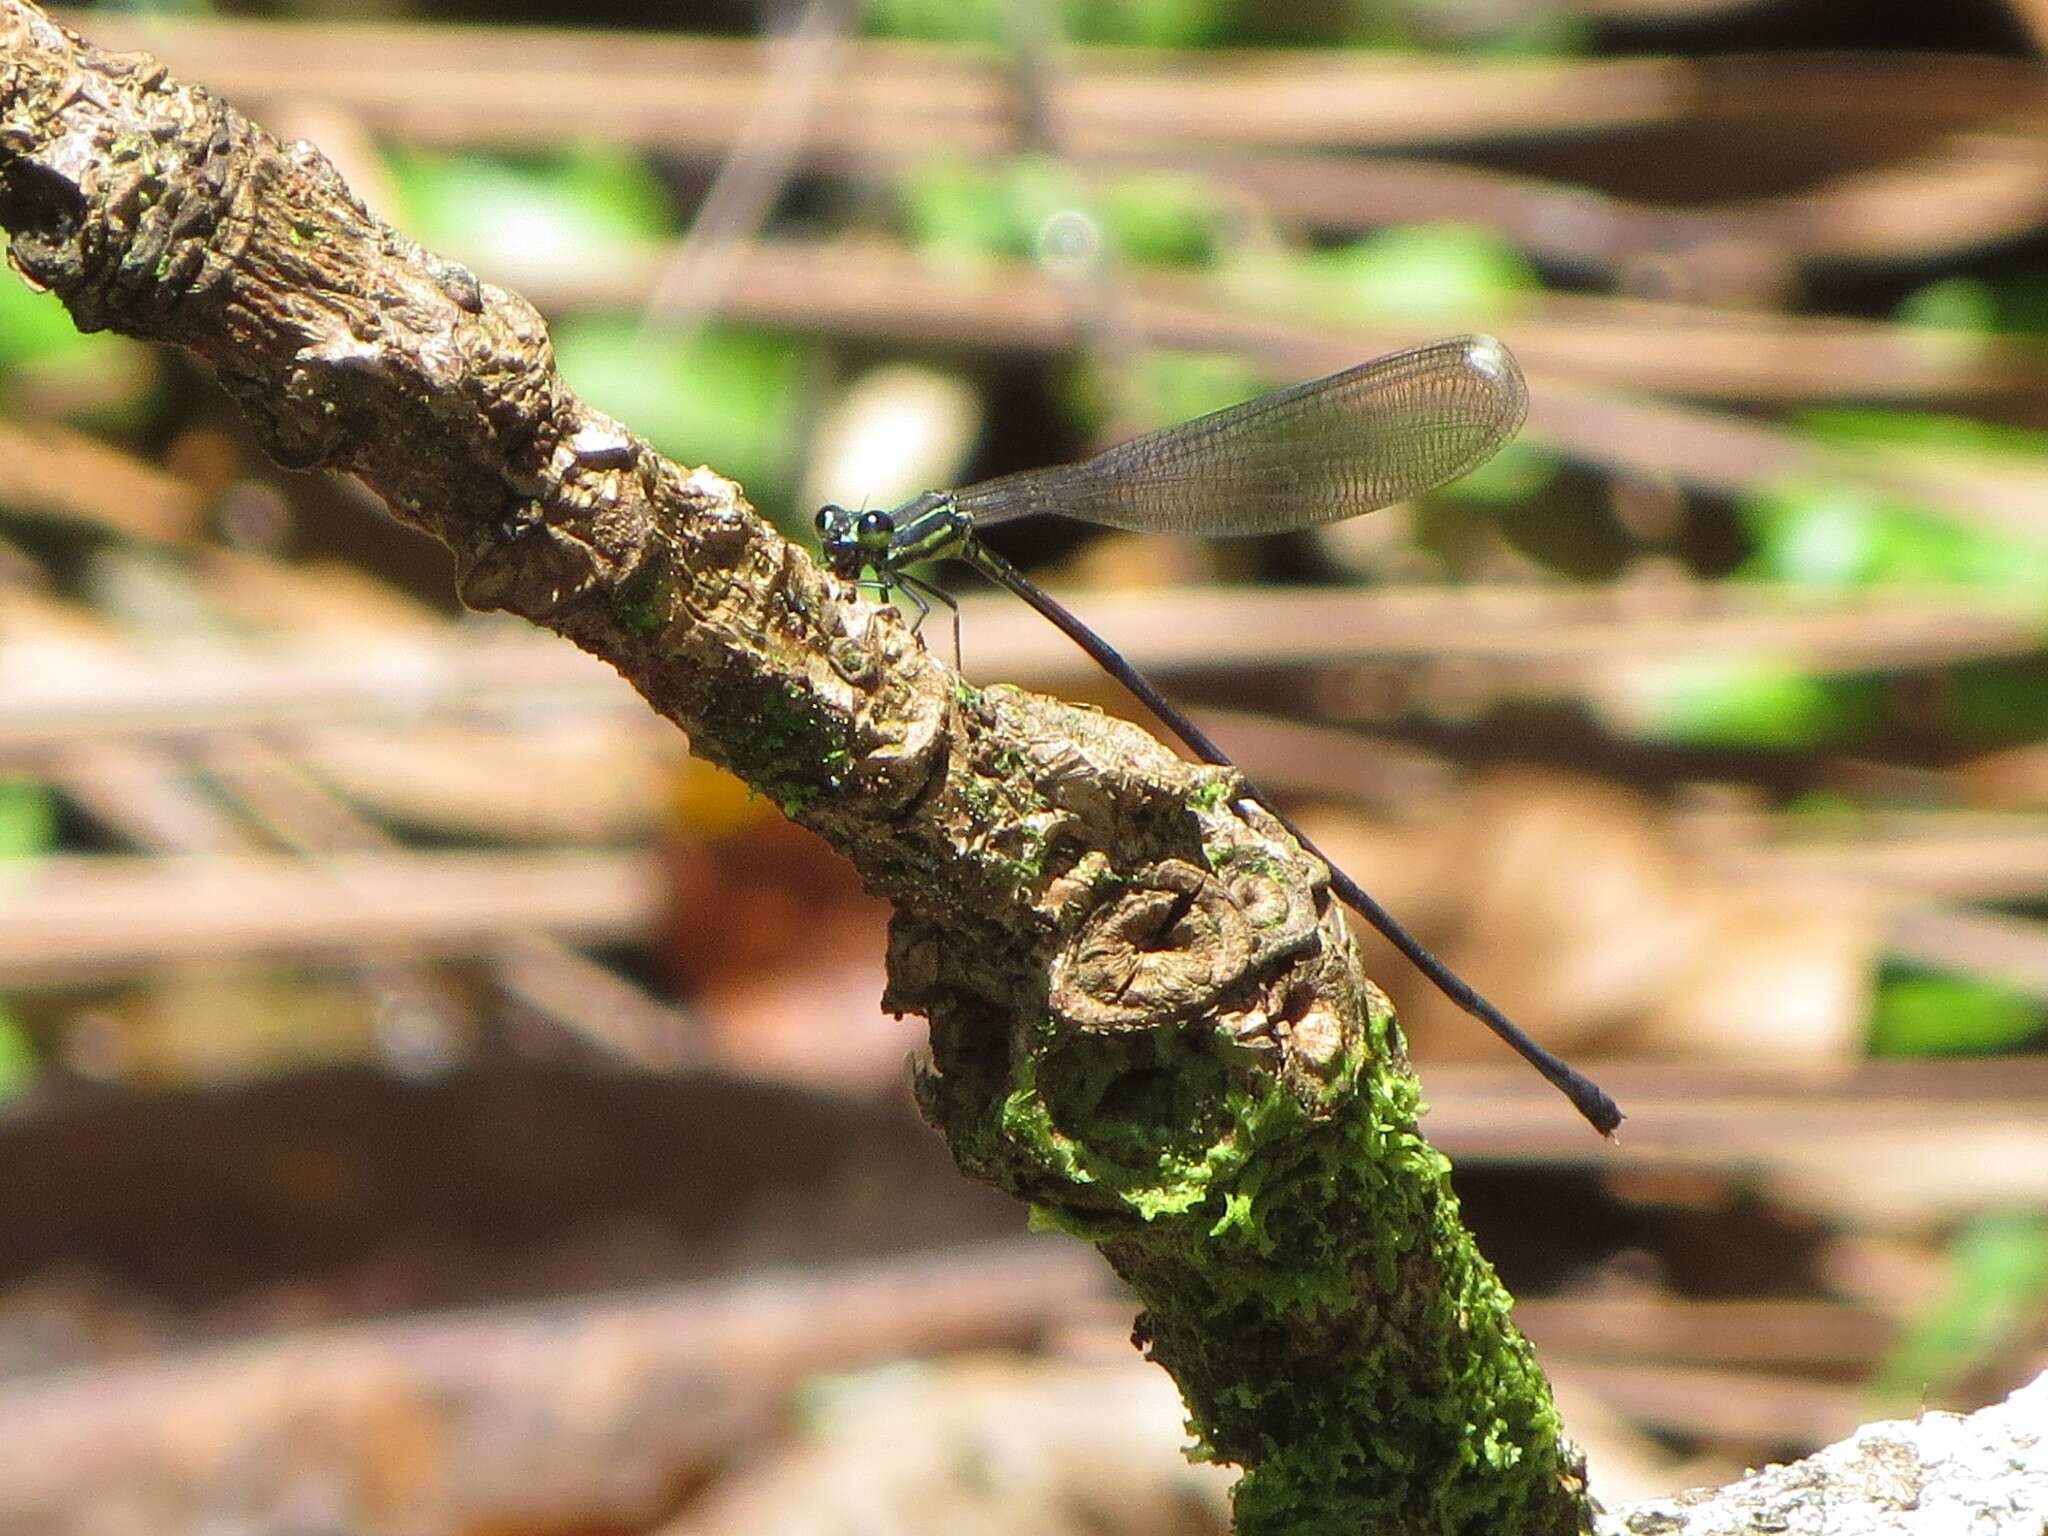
{"x": 1147, "y": 1017}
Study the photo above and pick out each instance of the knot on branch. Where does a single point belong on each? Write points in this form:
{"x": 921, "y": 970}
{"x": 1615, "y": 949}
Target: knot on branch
{"x": 1174, "y": 942}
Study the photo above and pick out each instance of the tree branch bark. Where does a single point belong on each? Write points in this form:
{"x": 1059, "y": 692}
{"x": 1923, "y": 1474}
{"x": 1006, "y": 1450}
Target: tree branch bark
{"x": 1147, "y": 1018}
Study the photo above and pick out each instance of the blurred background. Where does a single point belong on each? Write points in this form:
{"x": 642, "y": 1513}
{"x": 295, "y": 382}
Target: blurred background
{"x": 431, "y": 1103}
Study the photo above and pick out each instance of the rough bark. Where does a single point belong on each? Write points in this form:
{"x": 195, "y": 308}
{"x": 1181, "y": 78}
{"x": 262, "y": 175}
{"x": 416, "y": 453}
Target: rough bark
{"x": 1147, "y": 1019}
{"x": 1986, "y": 1473}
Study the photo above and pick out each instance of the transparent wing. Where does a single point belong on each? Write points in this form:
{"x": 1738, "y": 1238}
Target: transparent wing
{"x": 1314, "y": 453}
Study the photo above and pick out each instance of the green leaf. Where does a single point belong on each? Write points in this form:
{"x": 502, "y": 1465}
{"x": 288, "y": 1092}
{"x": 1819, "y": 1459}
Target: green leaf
{"x": 1841, "y": 536}
{"x": 36, "y": 326}
{"x": 1517, "y": 473}
{"x": 28, "y": 818}
{"x": 1831, "y": 535}
{"x": 18, "y": 1064}
{"x": 729, "y": 399}
{"x": 28, "y": 829}
{"x": 1418, "y": 274}
{"x": 1952, "y": 304}
{"x": 1179, "y": 386}
{"x": 1153, "y": 23}
{"x": 1858, "y": 427}
{"x": 1749, "y": 702}
{"x": 955, "y": 209}
{"x": 1159, "y": 216}
{"x": 1488, "y": 30}
{"x": 937, "y": 21}
{"x": 1998, "y": 1275}
{"x": 1998, "y": 701}
{"x": 1921, "y": 1015}
{"x": 2014, "y": 301}
{"x": 562, "y": 210}
{"x": 52, "y": 369}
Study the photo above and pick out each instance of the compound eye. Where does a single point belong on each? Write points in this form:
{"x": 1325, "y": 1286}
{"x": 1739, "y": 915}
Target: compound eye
{"x": 875, "y": 525}
{"x": 827, "y": 516}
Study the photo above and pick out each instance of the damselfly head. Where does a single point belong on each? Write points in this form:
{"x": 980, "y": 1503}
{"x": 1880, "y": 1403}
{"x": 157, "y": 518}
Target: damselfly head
{"x": 851, "y": 540}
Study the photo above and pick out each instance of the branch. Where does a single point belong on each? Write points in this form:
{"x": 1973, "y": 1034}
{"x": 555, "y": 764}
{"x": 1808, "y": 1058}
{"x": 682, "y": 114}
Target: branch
{"x": 1147, "y": 1019}
{"x": 581, "y": 1413}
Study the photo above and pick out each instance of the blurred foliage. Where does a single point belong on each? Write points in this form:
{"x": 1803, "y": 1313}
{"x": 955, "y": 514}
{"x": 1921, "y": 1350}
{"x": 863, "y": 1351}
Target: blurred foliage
{"x": 1471, "y": 26}
{"x": 2014, "y": 302}
{"x": 48, "y": 367}
{"x": 576, "y": 206}
{"x": 1842, "y": 536}
{"x": 1466, "y": 26}
{"x": 1153, "y": 23}
{"x": 1998, "y": 1282}
{"x": 963, "y": 210}
{"x": 35, "y": 326}
{"x": 1422, "y": 274}
{"x": 1163, "y": 387}
{"x": 1837, "y": 536}
{"x": 1520, "y": 472}
{"x": 1917, "y": 1015}
{"x": 19, "y": 1066}
{"x": 28, "y": 819}
{"x": 727, "y": 397}
{"x": 1410, "y": 275}
{"x": 1995, "y": 702}
{"x": 1734, "y": 701}
{"x": 28, "y": 830}
{"x": 1829, "y": 535}
{"x": 161, "y": 7}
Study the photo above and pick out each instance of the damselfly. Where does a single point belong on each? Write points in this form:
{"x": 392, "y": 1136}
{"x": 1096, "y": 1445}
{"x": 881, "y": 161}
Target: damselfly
{"x": 1319, "y": 452}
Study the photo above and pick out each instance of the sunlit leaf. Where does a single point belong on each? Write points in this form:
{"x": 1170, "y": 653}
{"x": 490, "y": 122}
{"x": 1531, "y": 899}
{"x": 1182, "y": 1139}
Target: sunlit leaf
{"x": 561, "y": 210}
{"x": 956, "y": 209}
{"x": 1475, "y": 27}
{"x": 1154, "y": 23}
{"x": 1842, "y": 536}
{"x": 1829, "y": 534}
{"x": 2015, "y": 301}
{"x": 28, "y": 818}
{"x": 1856, "y": 427}
{"x": 18, "y": 1063}
{"x": 1179, "y": 386}
{"x": 953, "y": 208}
{"x": 49, "y": 368}
{"x": 1952, "y": 304}
{"x": 1420, "y": 274}
{"x": 34, "y": 326}
{"x": 1518, "y": 472}
{"x": 1950, "y": 1016}
{"x": 1748, "y": 702}
{"x": 1159, "y": 217}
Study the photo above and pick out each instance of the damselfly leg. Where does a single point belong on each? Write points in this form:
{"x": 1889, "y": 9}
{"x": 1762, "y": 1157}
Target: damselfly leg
{"x": 918, "y": 591}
